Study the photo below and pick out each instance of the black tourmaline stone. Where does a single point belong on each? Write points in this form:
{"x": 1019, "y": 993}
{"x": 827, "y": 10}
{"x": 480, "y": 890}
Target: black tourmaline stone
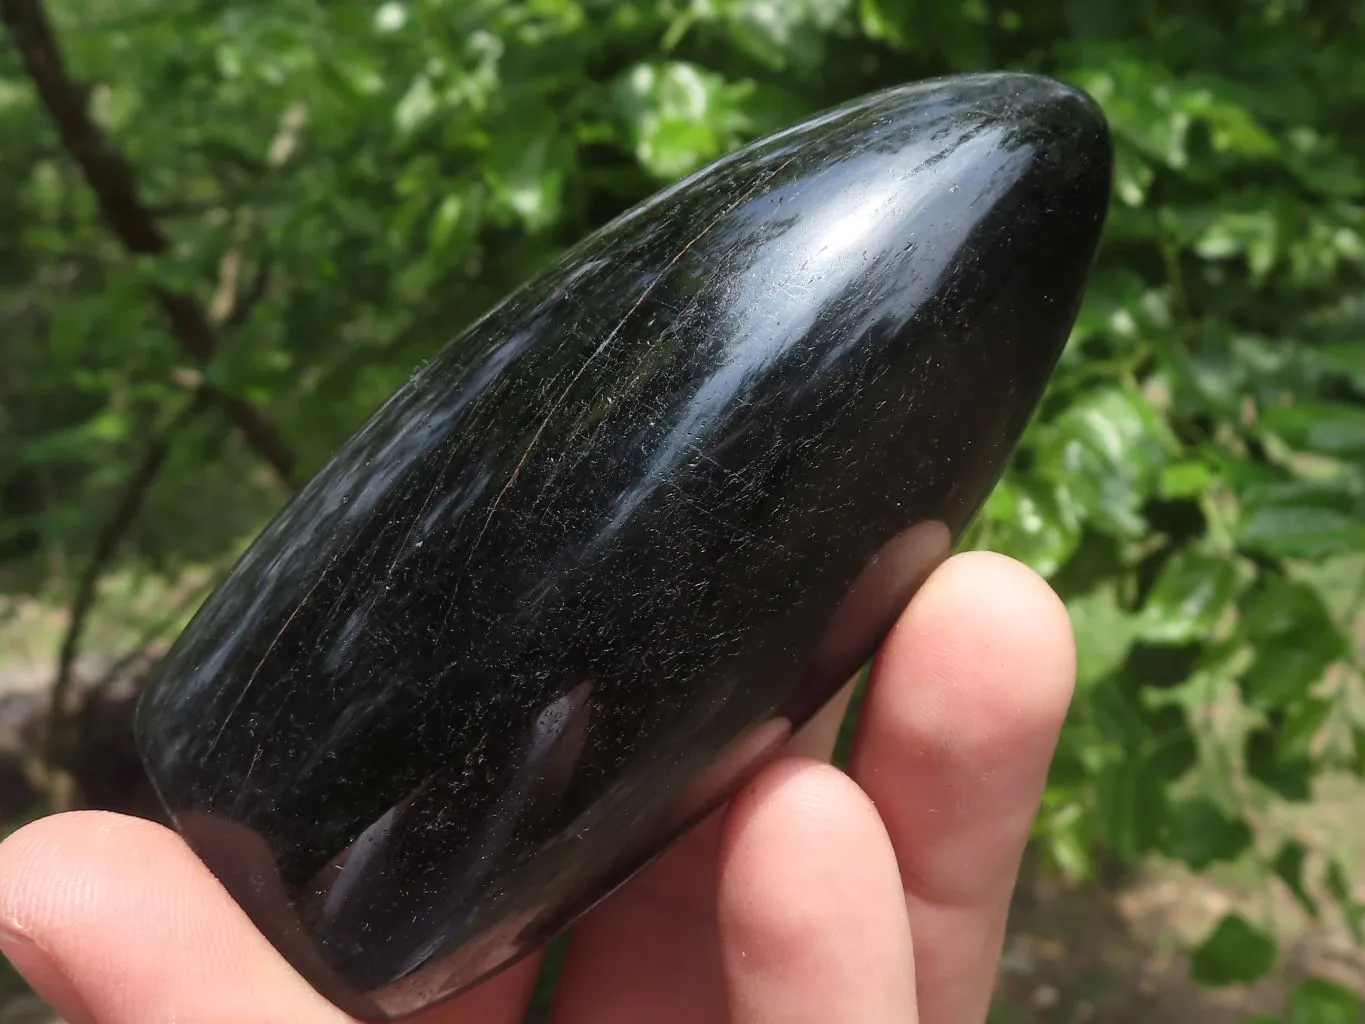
{"x": 586, "y": 569}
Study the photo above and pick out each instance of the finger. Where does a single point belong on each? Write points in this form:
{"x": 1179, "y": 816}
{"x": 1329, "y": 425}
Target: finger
{"x": 116, "y": 920}
{"x": 45, "y": 978}
{"x": 652, "y": 951}
{"x": 958, "y": 726}
{"x": 121, "y": 912}
{"x": 812, "y": 925}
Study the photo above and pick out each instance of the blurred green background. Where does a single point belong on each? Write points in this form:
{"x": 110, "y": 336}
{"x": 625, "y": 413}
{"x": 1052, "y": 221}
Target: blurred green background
{"x": 229, "y": 230}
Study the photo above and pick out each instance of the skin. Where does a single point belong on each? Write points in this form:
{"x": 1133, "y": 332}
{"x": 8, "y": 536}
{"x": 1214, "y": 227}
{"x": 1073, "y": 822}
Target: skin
{"x": 815, "y": 896}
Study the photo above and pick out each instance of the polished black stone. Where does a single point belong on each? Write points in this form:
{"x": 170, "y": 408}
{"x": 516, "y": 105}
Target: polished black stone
{"x": 596, "y": 560}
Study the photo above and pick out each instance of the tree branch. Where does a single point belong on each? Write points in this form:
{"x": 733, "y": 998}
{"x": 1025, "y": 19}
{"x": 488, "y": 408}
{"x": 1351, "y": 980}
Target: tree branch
{"x": 155, "y": 632}
{"x": 61, "y": 709}
{"x": 235, "y": 298}
{"x": 251, "y": 296}
{"x": 110, "y": 178}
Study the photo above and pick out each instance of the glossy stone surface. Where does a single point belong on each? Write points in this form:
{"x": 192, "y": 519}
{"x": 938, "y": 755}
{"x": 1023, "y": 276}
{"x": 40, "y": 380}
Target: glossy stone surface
{"x": 597, "y": 559}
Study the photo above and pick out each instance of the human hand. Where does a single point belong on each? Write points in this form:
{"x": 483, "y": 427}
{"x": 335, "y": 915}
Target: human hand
{"x": 796, "y": 903}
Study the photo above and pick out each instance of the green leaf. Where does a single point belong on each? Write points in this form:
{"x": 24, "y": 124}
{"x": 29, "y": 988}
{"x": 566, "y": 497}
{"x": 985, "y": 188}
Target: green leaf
{"x": 1133, "y": 175}
{"x": 1294, "y": 639}
{"x": 1173, "y": 753}
{"x": 1318, "y": 162}
{"x": 417, "y": 106}
{"x": 1133, "y": 807}
{"x": 1190, "y": 596}
{"x": 1339, "y": 887}
{"x": 1118, "y": 305}
{"x": 173, "y": 270}
{"x": 1213, "y": 377}
{"x": 1319, "y": 1001}
{"x": 1105, "y": 454}
{"x": 449, "y": 214}
{"x": 1185, "y": 480}
{"x": 1066, "y": 840}
{"x": 1200, "y": 833}
{"x": 779, "y": 34}
{"x": 1292, "y": 780}
{"x": 1104, "y": 633}
{"x": 1288, "y": 867}
{"x": 1236, "y": 952}
{"x": 526, "y": 168}
{"x": 1302, "y": 518}
{"x": 679, "y": 116}
{"x": 1357, "y": 764}
{"x": 1301, "y": 531}
{"x": 1026, "y": 524}
{"x": 1303, "y": 723}
{"x": 82, "y": 441}
{"x": 880, "y": 20}
{"x": 1162, "y": 666}
{"x": 1150, "y": 749}
{"x": 1333, "y": 428}
{"x": 1118, "y": 718}
{"x": 1253, "y": 235}
{"x": 1344, "y": 360}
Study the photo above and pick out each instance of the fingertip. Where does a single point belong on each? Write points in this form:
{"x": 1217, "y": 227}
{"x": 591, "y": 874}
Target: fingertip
{"x": 1015, "y": 596}
{"x": 812, "y": 920}
{"x": 45, "y": 866}
{"x": 69, "y": 877}
{"x": 138, "y": 928}
{"x": 792, "y": 793}
{"x": 991, "y": 594}
{"x": 35, "y": 882}
{"x": 984, "y": 653}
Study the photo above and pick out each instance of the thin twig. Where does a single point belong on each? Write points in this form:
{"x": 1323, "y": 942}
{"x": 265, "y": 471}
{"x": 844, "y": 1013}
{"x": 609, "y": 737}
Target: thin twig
{"x": 61, "y": 708}
{"x": 234, "y": 301}
{"x": 252, "y": 296}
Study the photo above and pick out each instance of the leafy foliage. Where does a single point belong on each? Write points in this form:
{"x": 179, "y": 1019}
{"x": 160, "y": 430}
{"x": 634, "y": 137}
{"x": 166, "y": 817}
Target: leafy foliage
{"x": 1235, "y": 951}
{"x": 346, "y": 186}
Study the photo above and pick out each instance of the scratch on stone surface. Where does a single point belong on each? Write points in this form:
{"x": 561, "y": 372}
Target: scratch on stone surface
{"x": 700, "y": 452}
{"x": 453, "y": 450}
{"x": 421, "y": 513}
{"x": 734, "y": 530}
{"x": 678, "y": 314}
{"x": 246, "y": 782}
{"x": 241, "y": 697}
{"x": 606, "y": 342}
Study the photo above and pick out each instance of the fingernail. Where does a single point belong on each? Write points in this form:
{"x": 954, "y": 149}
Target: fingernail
{"x": 43, "y": 974}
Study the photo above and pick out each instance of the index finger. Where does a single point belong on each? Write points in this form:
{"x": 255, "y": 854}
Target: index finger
{"x": 113, "y": 919}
